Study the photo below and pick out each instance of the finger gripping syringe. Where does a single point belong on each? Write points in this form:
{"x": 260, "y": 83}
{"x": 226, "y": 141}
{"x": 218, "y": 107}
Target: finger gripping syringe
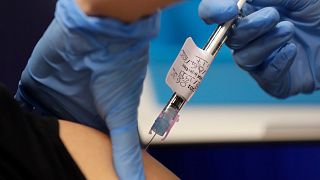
{"x": 186, "y": 74}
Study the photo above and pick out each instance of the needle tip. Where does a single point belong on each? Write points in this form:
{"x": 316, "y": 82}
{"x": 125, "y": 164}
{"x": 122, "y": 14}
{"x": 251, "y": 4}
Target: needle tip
{"x": 150, "y": 141}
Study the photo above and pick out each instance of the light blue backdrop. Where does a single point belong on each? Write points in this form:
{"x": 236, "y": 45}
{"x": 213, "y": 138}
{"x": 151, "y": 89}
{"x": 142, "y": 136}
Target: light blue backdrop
{"x": 225, "y": 83}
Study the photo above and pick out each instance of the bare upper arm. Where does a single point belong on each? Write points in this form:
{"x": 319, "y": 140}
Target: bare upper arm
{"x": 91, "y": 150}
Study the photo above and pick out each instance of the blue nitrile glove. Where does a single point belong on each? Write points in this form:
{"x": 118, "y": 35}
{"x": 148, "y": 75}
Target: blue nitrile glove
{"x": 91, "y": 70}
{"x": 278, "y": 42}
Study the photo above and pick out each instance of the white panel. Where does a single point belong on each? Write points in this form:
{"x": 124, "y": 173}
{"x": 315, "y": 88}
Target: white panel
{"x": 232, "y": 123}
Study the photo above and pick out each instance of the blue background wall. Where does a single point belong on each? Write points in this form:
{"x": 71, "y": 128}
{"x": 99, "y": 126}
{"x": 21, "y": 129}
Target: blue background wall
{"x": 23, "y": 22}
{"x": 225, "y": 83}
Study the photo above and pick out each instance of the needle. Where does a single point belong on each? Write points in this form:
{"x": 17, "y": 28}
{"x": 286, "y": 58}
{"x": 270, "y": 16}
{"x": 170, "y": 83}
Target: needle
{"x": 150, "y": 141}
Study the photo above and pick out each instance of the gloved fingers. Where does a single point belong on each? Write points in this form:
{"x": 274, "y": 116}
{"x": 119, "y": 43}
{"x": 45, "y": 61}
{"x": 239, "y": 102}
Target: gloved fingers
{"x": 217, "y": 11}
{"x": 279, "y": 64}
{"x": 287, "y": 4}
{"x": 248, "y": 9}
{"x": 274, "y": 76}
{"x": 254, "y": 54}
{"x": 127, "y": 152}
{"x": 253, "y": 26}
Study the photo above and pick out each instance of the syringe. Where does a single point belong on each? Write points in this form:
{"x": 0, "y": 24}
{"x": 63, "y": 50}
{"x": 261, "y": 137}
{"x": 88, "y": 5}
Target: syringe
{"x": 169, "y": 114}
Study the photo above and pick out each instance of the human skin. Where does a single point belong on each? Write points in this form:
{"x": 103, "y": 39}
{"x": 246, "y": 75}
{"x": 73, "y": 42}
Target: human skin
{"x": 92, "y": 151}
{"x": 124, "y": 10}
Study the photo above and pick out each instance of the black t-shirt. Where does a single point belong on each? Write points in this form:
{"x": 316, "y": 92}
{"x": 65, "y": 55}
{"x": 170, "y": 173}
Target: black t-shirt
{"x": 30, "y": 147}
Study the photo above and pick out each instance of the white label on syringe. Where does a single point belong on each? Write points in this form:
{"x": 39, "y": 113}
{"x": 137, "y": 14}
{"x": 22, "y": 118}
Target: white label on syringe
{"x": 188, "y": 69}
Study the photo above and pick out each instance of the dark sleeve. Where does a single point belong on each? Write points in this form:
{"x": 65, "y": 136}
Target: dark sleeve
{"x": 30, "y": 147}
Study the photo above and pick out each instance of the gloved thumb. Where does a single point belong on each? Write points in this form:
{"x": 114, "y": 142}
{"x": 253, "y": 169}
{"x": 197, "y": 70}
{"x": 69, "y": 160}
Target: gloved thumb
{"x": 126, "y": 152}
{"x": 217, "y": 11}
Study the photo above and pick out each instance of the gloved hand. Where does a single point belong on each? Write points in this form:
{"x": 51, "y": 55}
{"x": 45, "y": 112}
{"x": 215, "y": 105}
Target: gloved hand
{"x": 91, "y": 70}
{"x": 278, "y": 42}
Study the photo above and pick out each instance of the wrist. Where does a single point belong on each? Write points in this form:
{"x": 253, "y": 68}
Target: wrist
{"x": 124, "y": 10}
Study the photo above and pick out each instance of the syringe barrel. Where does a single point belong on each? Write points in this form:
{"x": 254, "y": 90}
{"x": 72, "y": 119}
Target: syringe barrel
{"x": 219, "y": 36}
{"x": 175, "y": 104}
